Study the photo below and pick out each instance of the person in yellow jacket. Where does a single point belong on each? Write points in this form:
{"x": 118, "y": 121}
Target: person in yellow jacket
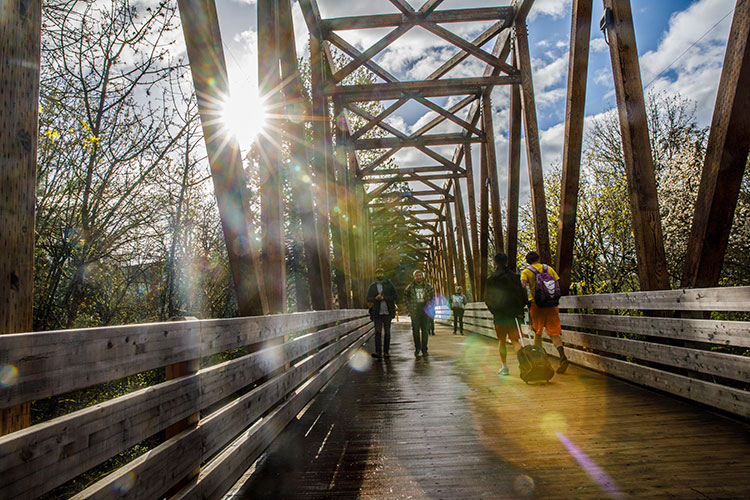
{"x": 543, "y": 288}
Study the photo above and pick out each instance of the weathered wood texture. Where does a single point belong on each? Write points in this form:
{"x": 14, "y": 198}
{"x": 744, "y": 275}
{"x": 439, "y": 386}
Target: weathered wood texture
{"x": 269, "y": 156}
{"x": 652, "y": 360}
{"x": 43, "y": 456}
{"x": 578, "y": 62}
{"x": 639, "y": 163}
{"x": 449, "y": 427}
{"x": 514, "y": 172}
{"x": 726, "y": 159}
{"x": 200, "y": 26}
{"x": 47, "y": 366}
{"x": 20, "y": 44}
{"x": 533, "y": 146}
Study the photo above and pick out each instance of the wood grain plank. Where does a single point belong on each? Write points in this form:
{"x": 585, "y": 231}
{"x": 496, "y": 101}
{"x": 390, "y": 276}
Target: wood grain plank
{"x": 46, "y": 455}
{"x": 158, "y": 469}
{"x": 732, "y": 400}
{"x": 728, "y": 333}
{"x": 729, "y": 366}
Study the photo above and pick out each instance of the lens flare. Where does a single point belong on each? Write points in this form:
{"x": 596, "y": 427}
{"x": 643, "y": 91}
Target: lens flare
{"x": 125, "y": 483}
{"x": 524, "y": 486}
{"x": 553, "y": 422}
{"x": 360, "y": 361}
{"x": 438, "y": 308}
{"x": 8, "y": 375}
{"x": 592, "y": 469}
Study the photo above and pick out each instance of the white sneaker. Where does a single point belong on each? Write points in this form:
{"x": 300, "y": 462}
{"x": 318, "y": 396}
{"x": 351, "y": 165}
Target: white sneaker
{"x": 503, "y": 371}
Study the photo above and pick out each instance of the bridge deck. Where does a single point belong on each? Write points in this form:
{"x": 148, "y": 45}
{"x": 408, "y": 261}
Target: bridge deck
{"x": 449, "y": 427}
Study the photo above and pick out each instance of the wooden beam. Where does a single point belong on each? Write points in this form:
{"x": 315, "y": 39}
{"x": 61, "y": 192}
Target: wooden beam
{"x": 726, "y": 160}
{"x": 639, "y": 164}
{"x": 340, "y": 212}
{"x": 20, "y": 52}
{"x": 320, "y": 161}
{"x": 469, "y": 47}
{"x": 438, "y": 88}
{"x": 464, "y": 246}
{"x": 296, "y": 104}
{"x": 395, "y": 20}
{"x": 453, "y": 263}
{"x": 471, "y": 193}
{"x": 533, "y": 148}
{"x": 371, "y": 52}
{"x": 425, "y": 140}
{"x": 269, "y": 157}
{"x": 414, "y": 177}
{"x": 578, "y": 62}
{"x": 514, "y": 170}
{"x": 203, "y": 40}
{"x": 484, "y": 219}
{"x": 497, "y": 222}
{"x": 461, "y": 56}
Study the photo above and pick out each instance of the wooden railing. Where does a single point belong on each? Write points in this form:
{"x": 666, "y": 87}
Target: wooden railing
{"x": 634, "y": 336}
{"x": 243, "y": 402}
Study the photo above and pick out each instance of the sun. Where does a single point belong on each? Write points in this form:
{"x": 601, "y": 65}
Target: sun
{"x": 244, "y": 116}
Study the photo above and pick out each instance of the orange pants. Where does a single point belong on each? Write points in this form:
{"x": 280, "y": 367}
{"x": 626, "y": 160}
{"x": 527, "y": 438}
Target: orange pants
{"x": 545, "y": 317}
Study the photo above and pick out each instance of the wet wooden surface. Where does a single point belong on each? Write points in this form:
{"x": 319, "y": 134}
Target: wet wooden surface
{"x": 449, "y": 427}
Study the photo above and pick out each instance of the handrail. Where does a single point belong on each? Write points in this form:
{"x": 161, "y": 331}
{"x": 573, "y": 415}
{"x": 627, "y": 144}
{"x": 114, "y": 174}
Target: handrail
{"x": 681, "y": 356}
{"x": 259, "y": 392}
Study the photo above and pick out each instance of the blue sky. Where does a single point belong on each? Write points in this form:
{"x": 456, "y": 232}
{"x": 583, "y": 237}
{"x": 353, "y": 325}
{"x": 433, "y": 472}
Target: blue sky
{"x": 681, "y": 45}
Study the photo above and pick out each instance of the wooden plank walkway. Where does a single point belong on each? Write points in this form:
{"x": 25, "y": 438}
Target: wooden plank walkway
{"x": 449, "y": 427}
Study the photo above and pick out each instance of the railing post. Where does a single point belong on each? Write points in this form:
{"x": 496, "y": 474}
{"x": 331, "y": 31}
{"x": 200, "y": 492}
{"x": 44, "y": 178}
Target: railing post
{"x": 20, "y": 39}
{"x": 172, "y": 372}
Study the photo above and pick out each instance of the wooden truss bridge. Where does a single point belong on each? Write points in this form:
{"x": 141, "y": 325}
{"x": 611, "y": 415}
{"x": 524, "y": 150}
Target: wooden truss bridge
{"x": 674, "y": 406}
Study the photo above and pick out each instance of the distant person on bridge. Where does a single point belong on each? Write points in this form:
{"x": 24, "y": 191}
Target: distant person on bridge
{"x": 506, "y": 299}
{"x": 382, "y": 296}
{"x": 417, "y": 295}
{"x": 542, "y": 283}
{"x": 458, "y": 304}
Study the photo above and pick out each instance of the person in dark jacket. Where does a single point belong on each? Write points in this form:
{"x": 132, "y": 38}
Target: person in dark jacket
{"x": 382, "y": 295}
{"x": 506, "y": 299}
{"x": 417, "y": 295}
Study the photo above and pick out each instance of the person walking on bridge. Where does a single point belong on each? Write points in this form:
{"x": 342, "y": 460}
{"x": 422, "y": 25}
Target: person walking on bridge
{"x": 382, "y": 295}
{"x": 458, "y": 303}
{"x": 505, "y": 299}
{"x": 542, "y": 283}
{"x": 417, "y": 295}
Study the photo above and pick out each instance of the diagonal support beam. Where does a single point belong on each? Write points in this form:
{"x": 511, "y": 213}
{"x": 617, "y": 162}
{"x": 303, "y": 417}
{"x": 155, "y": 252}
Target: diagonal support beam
{"x": 726, "y": 160}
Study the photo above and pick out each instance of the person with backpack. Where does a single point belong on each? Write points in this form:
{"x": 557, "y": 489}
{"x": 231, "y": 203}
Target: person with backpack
{"x": 542, "y": 283}
{"x": 382, "y": 295}
{"x": 505, "y": 299}
{"x": 417, "y": 295}
{"x": 458, "y": 303}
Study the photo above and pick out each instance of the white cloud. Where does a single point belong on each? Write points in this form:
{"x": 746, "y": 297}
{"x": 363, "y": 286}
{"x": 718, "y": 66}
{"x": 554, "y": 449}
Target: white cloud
{"x": 554, "y": 8}
{"x": 692, "y": 48}
{"x": 598, "y": 44}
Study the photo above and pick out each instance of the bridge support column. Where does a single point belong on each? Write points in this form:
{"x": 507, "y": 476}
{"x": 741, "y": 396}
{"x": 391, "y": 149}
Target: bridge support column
{"x": 484, "y": 220}
{"x": 639, "y": 164}
{"x": 200, "y": 26}
{"x": 580, "y": 32}
{"x": 726, "y": 160}
{"x": 476, "y": 286}
{"x": 20, "y": 48}
{"x": 270, "y": 168}
{"x": 489, "y": 132}
{"x": 533, "y": 148}
{"x": 514, "y": 171}
{"x": 320, "y": 162}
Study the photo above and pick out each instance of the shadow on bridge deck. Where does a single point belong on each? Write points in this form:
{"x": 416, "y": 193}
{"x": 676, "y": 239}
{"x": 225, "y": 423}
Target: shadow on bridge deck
{"x": 449, "y": 427}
